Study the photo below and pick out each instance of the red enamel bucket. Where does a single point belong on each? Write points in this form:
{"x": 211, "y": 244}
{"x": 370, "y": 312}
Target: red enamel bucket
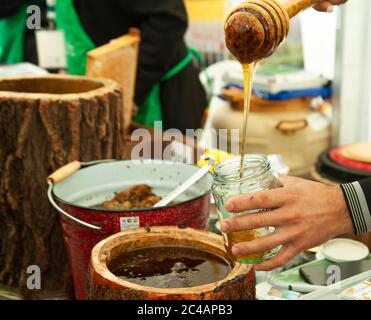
{"x": 75, "y": 188}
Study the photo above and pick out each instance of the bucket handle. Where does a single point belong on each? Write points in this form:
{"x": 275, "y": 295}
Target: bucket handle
{"x": 288, "y": 127}
{"x": 63, "y": 173}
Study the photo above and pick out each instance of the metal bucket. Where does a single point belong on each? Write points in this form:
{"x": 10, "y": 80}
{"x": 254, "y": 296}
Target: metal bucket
{"x": 75, "y": 188}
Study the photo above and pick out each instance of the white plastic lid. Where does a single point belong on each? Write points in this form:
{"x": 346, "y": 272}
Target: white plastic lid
{"x": 344, "y": 250}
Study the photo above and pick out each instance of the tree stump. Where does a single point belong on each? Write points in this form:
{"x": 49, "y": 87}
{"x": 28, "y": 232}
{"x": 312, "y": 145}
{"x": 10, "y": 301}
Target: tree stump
{"x": 45, "y": 123}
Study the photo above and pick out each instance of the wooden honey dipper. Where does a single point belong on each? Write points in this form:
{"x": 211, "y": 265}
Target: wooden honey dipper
{"x": 255, "y": 28}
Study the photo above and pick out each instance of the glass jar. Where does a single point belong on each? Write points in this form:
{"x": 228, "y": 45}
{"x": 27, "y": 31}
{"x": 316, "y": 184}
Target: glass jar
{"x": 257, "y": 176}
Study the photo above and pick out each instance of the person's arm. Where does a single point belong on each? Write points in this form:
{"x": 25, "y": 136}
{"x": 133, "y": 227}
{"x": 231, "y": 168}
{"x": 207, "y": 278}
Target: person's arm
{"x": 163, "y": 25}
{"x": 358, "y": 199}
{"x": 9, "y": 7}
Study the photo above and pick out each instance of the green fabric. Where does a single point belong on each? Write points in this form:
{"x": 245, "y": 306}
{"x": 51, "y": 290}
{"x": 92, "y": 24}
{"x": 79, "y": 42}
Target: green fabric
{"x": 12, "y": 30}
{"x": 78, "y": 42}
{"x": 201, "y": 61}
{"x": 151, "y": 110}
{"x": 179, "y": 67}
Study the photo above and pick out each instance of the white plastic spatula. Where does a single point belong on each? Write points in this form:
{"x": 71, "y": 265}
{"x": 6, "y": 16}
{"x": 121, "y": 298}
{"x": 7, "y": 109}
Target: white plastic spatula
{"x": 187, "y": 184}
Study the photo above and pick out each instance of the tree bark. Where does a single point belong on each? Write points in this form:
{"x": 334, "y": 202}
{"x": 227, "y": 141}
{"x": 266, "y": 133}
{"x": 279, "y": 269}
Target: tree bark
{"x": 45, "y": 123}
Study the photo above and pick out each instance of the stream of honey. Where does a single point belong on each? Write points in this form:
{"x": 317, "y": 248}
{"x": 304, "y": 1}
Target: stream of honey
{"x": 233, "y": 238}
{"x": 249, "y": 71}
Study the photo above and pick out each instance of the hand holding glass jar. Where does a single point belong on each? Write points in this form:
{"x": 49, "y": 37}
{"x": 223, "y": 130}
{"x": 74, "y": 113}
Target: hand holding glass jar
{"x": 304, "y": 213}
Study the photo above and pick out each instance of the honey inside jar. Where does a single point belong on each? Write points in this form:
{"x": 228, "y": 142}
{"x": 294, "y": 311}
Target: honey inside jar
{"x": 245, "y": 236}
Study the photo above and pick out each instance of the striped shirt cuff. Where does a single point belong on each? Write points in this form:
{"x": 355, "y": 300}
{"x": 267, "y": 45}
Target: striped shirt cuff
{"x": 358, "y": 207}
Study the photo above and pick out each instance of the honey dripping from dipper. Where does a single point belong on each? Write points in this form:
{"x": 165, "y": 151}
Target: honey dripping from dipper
{"x": 249, "y": 73}
{"x": 252, "y": 31}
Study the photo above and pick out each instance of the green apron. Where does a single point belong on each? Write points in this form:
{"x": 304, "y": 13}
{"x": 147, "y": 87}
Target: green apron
{"x": 150, "y": 112}
{"x": 12, "y": 31}
{"x": 78, "y": 43}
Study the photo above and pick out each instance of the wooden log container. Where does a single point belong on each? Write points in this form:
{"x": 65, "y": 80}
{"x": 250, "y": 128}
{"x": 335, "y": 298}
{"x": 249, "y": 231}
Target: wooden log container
{"x": 239, "y": 284}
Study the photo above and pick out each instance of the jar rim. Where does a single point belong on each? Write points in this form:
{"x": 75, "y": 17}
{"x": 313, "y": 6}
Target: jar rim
{"x": 255, "y": 165}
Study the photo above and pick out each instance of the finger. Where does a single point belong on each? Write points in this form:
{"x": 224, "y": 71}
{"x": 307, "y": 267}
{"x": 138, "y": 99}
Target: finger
{"x": 328, "y": 5}
{"x": 324, "y": 6}
{"x": 279, "y": 237}
{"x": 286, "y": 253}
{"x": 337, "y": 2}
{"x": 259, "y": 200}
{"x": 257, "y": 220}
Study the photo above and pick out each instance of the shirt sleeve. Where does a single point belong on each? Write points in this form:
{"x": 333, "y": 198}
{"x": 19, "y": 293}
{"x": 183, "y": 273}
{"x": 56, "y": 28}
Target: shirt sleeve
{"x": 358, "y": 198}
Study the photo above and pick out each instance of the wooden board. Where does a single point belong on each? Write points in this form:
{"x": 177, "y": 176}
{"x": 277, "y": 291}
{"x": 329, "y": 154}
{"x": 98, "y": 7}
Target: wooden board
{"x": 118, "y": 61}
